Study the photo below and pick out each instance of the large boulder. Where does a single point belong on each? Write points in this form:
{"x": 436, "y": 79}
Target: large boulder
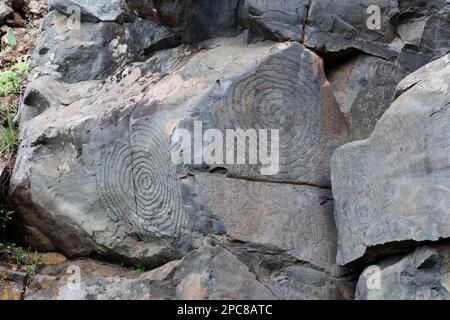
{"x": 392, "y": 190}
{"x": 108, "y": 142}
{"x": 421, "y": 275}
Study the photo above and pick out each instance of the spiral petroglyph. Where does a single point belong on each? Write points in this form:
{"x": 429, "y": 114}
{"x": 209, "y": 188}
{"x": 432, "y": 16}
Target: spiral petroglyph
{"x": 279, "y": 94}
{"x": 136, "y": 183}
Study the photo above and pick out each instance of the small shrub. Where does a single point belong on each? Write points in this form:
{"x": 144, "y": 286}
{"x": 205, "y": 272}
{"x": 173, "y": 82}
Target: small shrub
{"x": 4, "y": 51}
{"x": 9, "y": 82}
{"x": 5, "y": 217}
{"x": 140, "y": 267}
{"x": 29, "y": 260}
{"x": 8, "y": 138}
{"x": 21, "y": 68}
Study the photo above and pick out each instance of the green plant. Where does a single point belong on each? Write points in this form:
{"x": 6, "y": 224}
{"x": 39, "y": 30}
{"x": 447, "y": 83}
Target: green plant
{"x": 8, "y": 138}
{"x": 140, "y": 267}
{"x": 4, "y": 51}
{"x": 5, "y": 217}
{"x": 31, "y": 261}
{"x": 10, "y": 38}
{"x": 9, "y": 82}
{"x": 36, "y": 31}
{"x": 21, "y": 68}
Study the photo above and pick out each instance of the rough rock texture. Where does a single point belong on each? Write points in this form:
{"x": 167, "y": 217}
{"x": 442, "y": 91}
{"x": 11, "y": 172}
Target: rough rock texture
{"x": 93, "y": 11}
{"x": 335, "y": 26}
{"x": 112, "y": 85}
{"x": 111, "y": 140}
{"x": 208, "y": 273}
{"x": 211, "y": 272}
{"x": 12, "y": 284}
{"x": 95, "y": 50}
{"x": 6, "y": 12}
{"x": 382, "y": 185}
{"x": 285, "y": 90}
{"x": 423, "y": 27}
{"x": 276, "y": 20}
{"x": 421, "y": 275}
{"x": 364, "y": 88}
{"x": 295, "y": 219}
{"x": 339, "y": 27}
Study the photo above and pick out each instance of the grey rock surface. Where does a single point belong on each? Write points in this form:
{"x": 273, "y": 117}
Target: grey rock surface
{"x": 286, "y": 90}
{"x": 364, "y": 87}
{"x": 94, "y": 51}
{"x": 112, "y": 83}
{"x": 6, "y": 12}
{"x": 394, "y": 186}
{"x": 208, "y": 273}
{"x": 196, "y": 20}
{"x": 108, "y": 143}
{"x": 93, "y": 11}
{"x": 421, "y": 275}
{"x": 297, "y": 220}
{"x": 336, "y": 26}
{"x": 276, "y": 20}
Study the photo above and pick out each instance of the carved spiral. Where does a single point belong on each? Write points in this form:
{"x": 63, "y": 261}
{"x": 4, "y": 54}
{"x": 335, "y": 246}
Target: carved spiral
{"x": 279, "y": 94}
{"x": 137, "y": 184}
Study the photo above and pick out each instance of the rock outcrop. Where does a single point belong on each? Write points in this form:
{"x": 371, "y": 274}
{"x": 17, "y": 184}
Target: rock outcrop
{"x": 421, "y": 275}
{"x": 122, "y": 156}
{"x": 394, "y": 186}
{"x": 207, "y": 273}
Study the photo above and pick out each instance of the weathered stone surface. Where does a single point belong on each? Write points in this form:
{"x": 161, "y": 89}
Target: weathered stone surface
{"x": 93, "y": 51}
{"x": 5, "y": 12}
{"x": 12, "y": 284}
{"x": 297, "y": 220}
{"x": 83, "y": 151}
{"x": 276, "y": 20}
{"x": 111, "y": 148}
{"x": 364, "y": 88}
{"x": 336, "y": 26}
{"x": 208, "y": 273}
{"x": 394, "y": 186}
{"x": 289, "y": 278}
{"x": 427, "y": 71}
{"x": 196, "y": 20}
{"x": 93, "y": 11}
{"x": 426, "y": 37}
{"x": 421, "y": 275}
{"x": 288, "y": 91}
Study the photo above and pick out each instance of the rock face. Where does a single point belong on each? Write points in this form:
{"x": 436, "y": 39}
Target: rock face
{"x": 122, "y": 153}
{"x": 276, "y": 20}
{"x": 12, "y": 284}
{"x": 95, "y": 50}
{"x": 364, "y": 88}
{"x": 211, "y": 272}
{"x": 208, "y": 273}
{"x": 422, "y": 275}
{"x": 382, "y": 185}
{"x": 334, "y": 26}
